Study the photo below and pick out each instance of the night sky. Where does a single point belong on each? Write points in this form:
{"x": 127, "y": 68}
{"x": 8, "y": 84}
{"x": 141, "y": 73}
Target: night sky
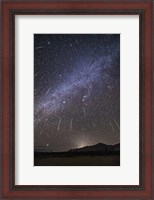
{"x": 76, "y": 90}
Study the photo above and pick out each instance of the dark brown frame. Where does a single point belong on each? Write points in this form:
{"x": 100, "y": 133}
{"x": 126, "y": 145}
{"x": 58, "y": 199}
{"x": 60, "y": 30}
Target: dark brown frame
{"x": 9, "y": 10}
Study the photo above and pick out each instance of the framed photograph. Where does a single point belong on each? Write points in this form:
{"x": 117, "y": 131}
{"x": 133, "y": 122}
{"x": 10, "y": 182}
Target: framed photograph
{"x": 77, "y": 99}
{"x": 75, "y": 111}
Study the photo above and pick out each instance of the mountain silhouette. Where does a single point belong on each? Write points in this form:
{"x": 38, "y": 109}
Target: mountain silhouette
{"x": 97, "y": 148}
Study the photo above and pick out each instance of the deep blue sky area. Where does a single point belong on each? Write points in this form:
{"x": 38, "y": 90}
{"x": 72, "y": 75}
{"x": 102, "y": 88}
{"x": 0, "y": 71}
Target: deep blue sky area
{"x": 76, "y": 90}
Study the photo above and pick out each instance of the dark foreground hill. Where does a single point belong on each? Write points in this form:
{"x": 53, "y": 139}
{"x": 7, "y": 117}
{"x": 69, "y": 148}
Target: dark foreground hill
{"x": 97, "y": 148}
{"x": 95, "y": 155}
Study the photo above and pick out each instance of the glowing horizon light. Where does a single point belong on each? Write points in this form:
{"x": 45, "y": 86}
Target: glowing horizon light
{"x": 82, "y": 144}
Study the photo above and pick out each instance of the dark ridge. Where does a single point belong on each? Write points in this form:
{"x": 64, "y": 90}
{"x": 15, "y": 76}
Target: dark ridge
{"x": 97, "y": 147}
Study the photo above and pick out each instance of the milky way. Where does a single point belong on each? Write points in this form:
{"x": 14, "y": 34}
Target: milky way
{"x": 76, "y": 90}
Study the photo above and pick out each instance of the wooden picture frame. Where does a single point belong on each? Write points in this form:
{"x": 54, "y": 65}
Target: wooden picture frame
{"x": 12, "y": 8}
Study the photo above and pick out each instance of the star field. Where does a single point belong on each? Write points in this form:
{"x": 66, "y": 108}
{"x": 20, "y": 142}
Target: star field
{"x": 76, "y": 90}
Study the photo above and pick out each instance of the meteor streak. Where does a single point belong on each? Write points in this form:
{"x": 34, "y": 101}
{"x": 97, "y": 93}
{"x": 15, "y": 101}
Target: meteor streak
{"x": 36, "y": 74}
{"x": 71, "y": 125}
{"x": 40, "y": 47}
{"x": 58, "y": 128}
{"x": 112, "y": 126}
{"x": 84, "y": 112}
{"x": 117, "y": 124}
{"x": 47, "y": 91}
{"x": 94, "y": 125}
